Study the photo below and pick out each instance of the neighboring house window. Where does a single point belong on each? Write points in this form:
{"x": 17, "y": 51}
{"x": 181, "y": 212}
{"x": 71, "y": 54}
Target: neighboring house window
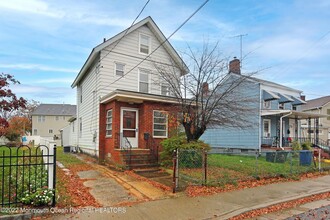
{"x": 144, "y": 81}
{"x": 80, "y": 127}
{"x": 50, "y": 131}
{"x": 63, "y": 117}
{"x": 281, "y": 106}
{"x": 328, "y": 113}
{"x": 119, "y": 69}
{"x": 165, "y": 89}
{"x": 35, "y": 132}
{"x": 144, "y": 44}
{"x": 267, "y": 127}
{"x": 56, "y": 118}
{"x": 160, "y": 124}
{"x": 109, "y": 123}
{"x": 73, "y": 126}
{"x": 41, "y": 118}
{"x": 80, "y": 94}
{"x": 294, "y": 108}
{"x": 267, "y": 104}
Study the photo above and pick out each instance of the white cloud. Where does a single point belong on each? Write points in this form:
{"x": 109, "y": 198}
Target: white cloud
{"x": 38, "y": 67}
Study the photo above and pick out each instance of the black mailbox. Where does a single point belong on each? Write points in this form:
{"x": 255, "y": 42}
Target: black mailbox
{"x": 146, "y": 136}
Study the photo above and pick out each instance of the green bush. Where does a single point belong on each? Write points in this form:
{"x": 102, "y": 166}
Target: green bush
{"x": 307, "y": 145}
{"x": 180, "y": 142}
{"x": 296, "y": 146}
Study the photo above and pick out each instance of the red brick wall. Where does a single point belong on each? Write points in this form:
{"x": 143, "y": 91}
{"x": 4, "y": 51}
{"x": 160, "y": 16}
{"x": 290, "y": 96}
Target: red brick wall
{"x": 110, "y": 144}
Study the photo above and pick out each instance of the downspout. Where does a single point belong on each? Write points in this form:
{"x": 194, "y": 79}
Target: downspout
{"x": 281, "y": 128}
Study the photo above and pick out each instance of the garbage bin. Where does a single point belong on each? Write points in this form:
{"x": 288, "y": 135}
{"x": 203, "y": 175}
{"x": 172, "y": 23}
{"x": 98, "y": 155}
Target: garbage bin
{"x": 281, "y": 156}
{"x": 67, "y": 149}
{"x": 270, "y": 156}
{"x": 305, "y": 157}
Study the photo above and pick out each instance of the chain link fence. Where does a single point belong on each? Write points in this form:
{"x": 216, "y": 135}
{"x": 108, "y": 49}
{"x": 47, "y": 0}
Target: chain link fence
{"x": 197, "y": 167}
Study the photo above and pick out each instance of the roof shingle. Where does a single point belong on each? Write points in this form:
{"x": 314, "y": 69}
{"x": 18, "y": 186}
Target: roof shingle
{"x": 55, "y": 109}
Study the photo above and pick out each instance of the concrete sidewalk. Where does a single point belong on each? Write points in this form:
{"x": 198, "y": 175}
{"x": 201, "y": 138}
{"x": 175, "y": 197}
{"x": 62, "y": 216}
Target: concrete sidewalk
{"x": 219, "y": 206}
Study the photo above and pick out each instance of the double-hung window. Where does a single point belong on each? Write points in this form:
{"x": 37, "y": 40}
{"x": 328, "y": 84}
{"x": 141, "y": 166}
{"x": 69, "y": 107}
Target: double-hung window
{"x": 119, "y": 69}
{"x": 165, "y": 89}
{"x": 160, "y": 124}
{"x": 144, "y": 47}
{"x": 143, "y": 81}
{"x": 109, "y": 123}
{"x": 41, "y": 118}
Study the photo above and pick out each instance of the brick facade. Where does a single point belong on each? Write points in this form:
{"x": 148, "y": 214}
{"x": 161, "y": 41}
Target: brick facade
{"x": 110, "y": 147}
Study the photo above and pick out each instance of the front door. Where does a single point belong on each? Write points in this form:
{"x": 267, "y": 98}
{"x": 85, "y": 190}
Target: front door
{"x": 129, "y": 127}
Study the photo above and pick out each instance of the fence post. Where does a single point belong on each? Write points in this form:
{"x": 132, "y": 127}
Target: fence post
{"x": 51, "y": 164}
{"x": 319, "y": 160}
{"x": 205, "y": 165}
{"x": 54, "y": 176}
{"x": 175, "y": 184}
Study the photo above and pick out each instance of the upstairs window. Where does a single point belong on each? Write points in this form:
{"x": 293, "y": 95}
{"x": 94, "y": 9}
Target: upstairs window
{"x": 143, "y": 81}
{"x": 80, "y": 127}
{"x": 50, "y": 131}
{"x": 328, "y": 113}
{"x": 119, "y": 69}
{"x": 165, "y": 89}
{"x": 41, "y": 118}
{"x": 144, "y": 47}
{"x": 56, "y": 118}
{"x": 267, "y": 104}
{"x": 109, "y": 123}
{"x": 281, "y": 106}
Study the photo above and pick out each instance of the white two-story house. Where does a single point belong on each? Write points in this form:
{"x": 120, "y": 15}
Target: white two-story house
{"x": 121, "y": 98}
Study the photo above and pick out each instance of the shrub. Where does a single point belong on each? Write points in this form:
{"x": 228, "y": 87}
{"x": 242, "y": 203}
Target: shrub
{"x": 296, "y": 146}
{"x": 307, "y": 145}
{"x": 39, "y": 198}
{"x": 180, "y": 142}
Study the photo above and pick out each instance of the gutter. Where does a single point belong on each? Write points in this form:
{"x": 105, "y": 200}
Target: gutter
{"x": 281, "y": 128}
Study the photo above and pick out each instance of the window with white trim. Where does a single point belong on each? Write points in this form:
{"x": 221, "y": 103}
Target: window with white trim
{"x": 50, "y": 131}
{"x": 143, "y": 81}
{"x": 159, "y": 124}
{"x": 109, "y": 123}
{"x": 165, "y": 89}
{"x": 35, "y": 132}
{"x": 267, "y": 104}
{"x": 73, "y": 126}
{"x": 144, "y": 46}
{"x": 41, "y": 118}
{"x": 80, "y": 127}
{"x": 119, "y": 69}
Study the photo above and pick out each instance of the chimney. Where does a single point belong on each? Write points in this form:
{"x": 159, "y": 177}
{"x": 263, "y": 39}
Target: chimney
{"x": 303, "y": 97}
{"x": 205, "y": 88}
{"x": 234, "y": 66}
{"x": 104, "y": 40}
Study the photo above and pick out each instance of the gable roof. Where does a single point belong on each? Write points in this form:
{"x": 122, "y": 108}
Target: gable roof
{"x": 153, "y": 27}
{"x": 55, "y": 109}
{"x": 316, "y": 103}
{"x": 268, "y": 83}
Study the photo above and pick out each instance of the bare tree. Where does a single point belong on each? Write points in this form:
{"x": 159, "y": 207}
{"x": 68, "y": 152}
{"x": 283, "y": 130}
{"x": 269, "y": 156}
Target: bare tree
{"x": 210, "y": 96}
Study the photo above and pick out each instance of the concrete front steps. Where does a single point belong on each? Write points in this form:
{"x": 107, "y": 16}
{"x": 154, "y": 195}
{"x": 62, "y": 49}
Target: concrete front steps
{"x": 137, "y": 159}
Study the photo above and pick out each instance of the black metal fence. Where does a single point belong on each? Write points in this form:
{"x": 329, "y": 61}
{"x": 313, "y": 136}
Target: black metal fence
{"x": 24, "y": 170}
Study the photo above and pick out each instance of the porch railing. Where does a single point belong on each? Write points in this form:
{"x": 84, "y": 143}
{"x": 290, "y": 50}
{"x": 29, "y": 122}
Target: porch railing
{"x": 153, "y": 147}
{"x": 125, "y": 145}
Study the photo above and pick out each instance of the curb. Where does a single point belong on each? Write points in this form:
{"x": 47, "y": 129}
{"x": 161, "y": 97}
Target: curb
{"x": 238, "y": 212}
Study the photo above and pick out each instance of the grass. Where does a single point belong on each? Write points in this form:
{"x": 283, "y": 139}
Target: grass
{"x": 66, "y": 158}
{"x": 230, "y": 169}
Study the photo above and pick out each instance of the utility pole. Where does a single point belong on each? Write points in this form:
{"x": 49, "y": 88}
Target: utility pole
{"x": 241, "y": 47}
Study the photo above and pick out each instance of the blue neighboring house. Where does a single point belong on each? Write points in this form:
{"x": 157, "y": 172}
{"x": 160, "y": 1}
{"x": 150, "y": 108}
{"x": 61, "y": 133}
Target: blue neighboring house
{"x": 276, "y": 116}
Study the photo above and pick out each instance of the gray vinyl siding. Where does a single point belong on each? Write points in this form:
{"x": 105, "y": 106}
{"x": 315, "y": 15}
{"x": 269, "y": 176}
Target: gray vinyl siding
{"x": 245, "y": 137}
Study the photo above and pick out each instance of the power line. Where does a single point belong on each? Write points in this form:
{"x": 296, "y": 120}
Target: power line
{"x": 176, "y": 30}
{"x": 126, "y": 30}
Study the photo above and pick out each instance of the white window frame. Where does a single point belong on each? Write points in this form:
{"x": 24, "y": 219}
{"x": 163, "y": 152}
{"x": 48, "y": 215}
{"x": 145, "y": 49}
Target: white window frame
{"x": 144, "y": 71}
{"x": 168, "y": 93}
{"x": 50, "y": 131}
{"x": 269, "y": 127}
{"x": 140, "y": 43}
{"x": 108, "y": 123}
{"x": 80, "y": 127}
{"x": 123, "y": 71}
{"x": 267, "y": 104}
{"x": 153, "y": 124}
{"x": 41, "y": 118}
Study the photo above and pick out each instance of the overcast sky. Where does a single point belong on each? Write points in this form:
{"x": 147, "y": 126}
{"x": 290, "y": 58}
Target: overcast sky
{"x": 44, "y": 43}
